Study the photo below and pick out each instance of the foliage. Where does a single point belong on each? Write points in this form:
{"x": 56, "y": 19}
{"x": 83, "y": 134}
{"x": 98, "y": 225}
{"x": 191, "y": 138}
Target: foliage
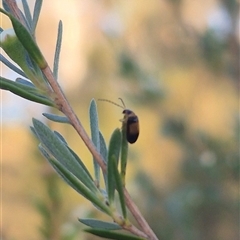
{"x": 40, "y": 85}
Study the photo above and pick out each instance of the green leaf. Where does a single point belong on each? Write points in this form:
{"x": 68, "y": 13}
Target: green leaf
{"x": 5, "y": 6}
{"x": 36, "y": 13}
{"x": 25, "y": 82}
{"x": 14, "y": 49}
{"x": 119, "y": 188}
{"x": 78, "y": 160}
{"x": 61, "y": 152}
{"x": 113, "y": 155}
{"x": 27, "y": 41}
{"x": 60, "y": 136}
{"x": 24, "y": 91}
{"x": 115, "y": 144}
{"x": 124, "y": 154}
{"x": 56, "y": 118}
{"x": 103, "y": 147}
{"x": 81, "y": 163}
{"x": 57, "y": 50}
{"x": 104, "y": 153}
{"x": 34, "y": 132}
{"x": 112, "y": 235}
{"x": 27, "y": 12}
{"x": 43, "y": 151}
{"x": 99, "y": 224}
{"x": 111, "y": 180}
{"x": 95, "y": 135}
{"x": 78, "y": 185}
{"x": 11, "y": 66}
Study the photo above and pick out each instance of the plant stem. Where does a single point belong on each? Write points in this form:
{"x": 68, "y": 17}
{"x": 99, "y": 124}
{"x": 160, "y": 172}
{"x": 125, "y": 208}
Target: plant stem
{"x": 138, "y": 216}
{"x": 15, "y": 10}
{"x": 65, "y": 107}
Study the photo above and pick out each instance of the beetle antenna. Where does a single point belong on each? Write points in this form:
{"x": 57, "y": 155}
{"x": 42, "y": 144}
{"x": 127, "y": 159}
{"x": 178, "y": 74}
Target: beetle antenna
{"x": 106, "y": 100}
{"x": 122, "y": 102}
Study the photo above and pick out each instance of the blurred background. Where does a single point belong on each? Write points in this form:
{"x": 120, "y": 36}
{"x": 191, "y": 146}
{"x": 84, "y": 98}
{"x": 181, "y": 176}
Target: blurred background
{"x": 176, "y": 65}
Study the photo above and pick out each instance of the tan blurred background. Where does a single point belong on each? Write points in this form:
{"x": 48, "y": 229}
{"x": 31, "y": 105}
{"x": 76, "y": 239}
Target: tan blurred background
{"x": 175, "y": 63}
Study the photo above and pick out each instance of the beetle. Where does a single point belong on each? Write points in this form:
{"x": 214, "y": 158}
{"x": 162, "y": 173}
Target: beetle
{"x": 130, "y": 121}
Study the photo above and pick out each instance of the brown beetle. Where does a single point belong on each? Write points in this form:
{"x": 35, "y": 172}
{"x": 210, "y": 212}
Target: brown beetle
{"x": 130, "y": 120}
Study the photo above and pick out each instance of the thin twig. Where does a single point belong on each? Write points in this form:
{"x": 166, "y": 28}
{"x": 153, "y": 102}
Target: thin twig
{"x": 65, "y": 107}
{"x": 138, "y": 216}
{"x": 136, "y": 231}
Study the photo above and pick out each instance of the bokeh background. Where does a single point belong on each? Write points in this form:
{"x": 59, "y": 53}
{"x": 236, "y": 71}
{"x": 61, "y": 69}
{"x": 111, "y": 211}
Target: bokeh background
{"x": 176, "y": 65}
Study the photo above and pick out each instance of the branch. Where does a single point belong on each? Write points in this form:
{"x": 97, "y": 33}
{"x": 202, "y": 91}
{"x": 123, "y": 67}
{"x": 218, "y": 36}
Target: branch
{"x": 15, "y": 10}
{"x": 64, "y": 106}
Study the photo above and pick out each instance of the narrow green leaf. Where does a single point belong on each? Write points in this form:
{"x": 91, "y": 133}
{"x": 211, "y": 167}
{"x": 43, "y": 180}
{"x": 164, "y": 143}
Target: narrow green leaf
{"x": 95, "y": 135}
{"x": 111, "y": 180}
{"x": 61, "y": 152}
{"x": 35, "y": 69}
{"x": 43, "y": 151}
{"x": 119, "y": 188}
{"x": 5, "y": 5}
{"x": 112, "y": 235}
{"x": 56, "y": 118}
{"x": 25, "y": 82}
{"x": 36, "y": 13}
{"x": 27, "y": 13}
{"x": 79, "y": 161}
{"x": 57, "y": 50}
{"x": 27, "y": 41}
{"x": 99, "y": 224}
{"x": 113, "y": 155}
{"x": 104, "y": 193}
{"x": 115, "y": 144}
{"x": 29, "y": 44}
{"x": 103, "y": 147}
{"x": 124, "y": 153}
{"x": 46, "y": 154}
{"x": 78, "y": 185}
{"x": 34, "y": 132}
{"x": 24, "y": 92}
{"x": 17, "y": 52}
{"x": 104, "y": 153}
{"x": 26, "y": 23}
{"x": 11, "y": 66}
{"x": 12, "y": 11}
{"x": 60, "y": 136}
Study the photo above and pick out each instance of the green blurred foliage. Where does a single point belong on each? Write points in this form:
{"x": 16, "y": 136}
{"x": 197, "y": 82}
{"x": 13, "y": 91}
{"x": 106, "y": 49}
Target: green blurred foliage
{"x": 204, "y": 203}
